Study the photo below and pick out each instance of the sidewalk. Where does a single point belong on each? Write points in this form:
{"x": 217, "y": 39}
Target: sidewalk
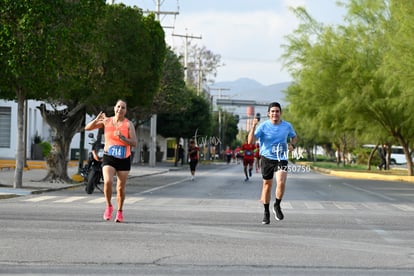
{"x": 32, "y": 183}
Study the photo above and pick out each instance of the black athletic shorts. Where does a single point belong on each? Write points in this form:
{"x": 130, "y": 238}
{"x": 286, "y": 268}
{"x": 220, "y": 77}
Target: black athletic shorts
{"x": 269, "y": 167}
{"x": 120, "y": 164}
{"x": 193, "y": 164}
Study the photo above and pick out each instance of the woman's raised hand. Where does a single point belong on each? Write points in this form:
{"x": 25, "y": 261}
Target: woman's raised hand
{"x": 101, "y": 117}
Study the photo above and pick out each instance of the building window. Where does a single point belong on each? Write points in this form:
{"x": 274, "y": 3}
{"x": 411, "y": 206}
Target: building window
{"x": 5, "y": 126}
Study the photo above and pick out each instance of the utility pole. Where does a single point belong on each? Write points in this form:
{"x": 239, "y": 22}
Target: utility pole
{"x": 219, "y": 113}
{"x": 153, "y": 127}
{"x": 186, "y": 36}
{"x": 199, "y": 77}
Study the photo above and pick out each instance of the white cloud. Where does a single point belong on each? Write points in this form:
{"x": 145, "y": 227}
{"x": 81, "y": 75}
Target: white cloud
{"x": 249, "y": 42}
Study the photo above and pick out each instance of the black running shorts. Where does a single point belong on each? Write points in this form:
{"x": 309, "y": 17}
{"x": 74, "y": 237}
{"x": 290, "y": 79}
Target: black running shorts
{"x": 119, "y": 164}
{"x": 269, "y": 167}
{"x": 193, "y": 164}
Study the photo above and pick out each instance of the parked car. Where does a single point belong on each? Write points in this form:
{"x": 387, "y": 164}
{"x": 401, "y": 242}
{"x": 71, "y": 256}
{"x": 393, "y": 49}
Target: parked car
{"x": 397, "y": 154}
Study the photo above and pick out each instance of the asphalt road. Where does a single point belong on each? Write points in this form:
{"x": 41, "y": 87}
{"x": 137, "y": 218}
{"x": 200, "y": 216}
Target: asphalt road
{"x": 212, "y": 226}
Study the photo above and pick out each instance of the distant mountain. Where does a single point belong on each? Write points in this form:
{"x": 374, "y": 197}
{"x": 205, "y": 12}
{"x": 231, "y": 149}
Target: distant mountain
{"x": 238, "y": 85}
{"x": 248, "y": 89}
{"x": 271, "y": 93}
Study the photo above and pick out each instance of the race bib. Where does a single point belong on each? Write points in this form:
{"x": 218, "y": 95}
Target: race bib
{"x": 117, "y": 151}
{"x": 248, "y": 153}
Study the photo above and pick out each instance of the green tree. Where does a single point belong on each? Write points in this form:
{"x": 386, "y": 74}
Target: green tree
{"x": 379, "y": 99}
{"x": 396, "y": 69}
{"x": 81, "y": 55}
{"x": 339, "y": 88}
{"x": 30, "y": 39}
{"x": 314, "y": 107}
{"x": 191, "y": 121}
{"x": 132, "y": 55}
{"x": 172, "y": 95}
{"x": 70, "y": 87}
{"x": 126, "y": 63}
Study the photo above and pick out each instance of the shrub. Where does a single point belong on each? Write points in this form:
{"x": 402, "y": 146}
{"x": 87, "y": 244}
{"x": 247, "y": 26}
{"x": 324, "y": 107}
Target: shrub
{"x": 46, "y": 148}
{"x": 363, "y": 155}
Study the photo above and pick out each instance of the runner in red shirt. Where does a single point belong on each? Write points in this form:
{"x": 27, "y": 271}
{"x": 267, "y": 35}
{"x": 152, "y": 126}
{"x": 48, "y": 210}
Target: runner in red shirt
{"x": 237, "y": 155}
{"x": 193, "y": 156}
{"x": 248, "y": 158}
{"x": 229, "y": 154}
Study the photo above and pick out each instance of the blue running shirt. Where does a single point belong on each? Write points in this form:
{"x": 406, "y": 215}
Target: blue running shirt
{"x": 273, "y": 139}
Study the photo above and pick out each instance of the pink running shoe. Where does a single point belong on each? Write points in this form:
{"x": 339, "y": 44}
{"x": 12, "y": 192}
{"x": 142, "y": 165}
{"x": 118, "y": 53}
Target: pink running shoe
{"x": 108, "y": 213}
{"x": 119, "y": 217}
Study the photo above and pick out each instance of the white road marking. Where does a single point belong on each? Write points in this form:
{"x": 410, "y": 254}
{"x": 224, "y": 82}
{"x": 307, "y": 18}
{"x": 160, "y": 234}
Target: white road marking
{"x": 40, "y": 198}
{"x": 344, "y": 206}
{"x": 403, "y": 207}
{"x": 131, "y": 200}
{"x": 97, "y": 200}
{"x": 314, "y": 205}
{"x": 69, "y": 199}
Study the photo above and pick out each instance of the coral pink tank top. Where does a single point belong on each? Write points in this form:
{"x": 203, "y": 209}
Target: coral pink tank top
{"x": 113, "y": 145}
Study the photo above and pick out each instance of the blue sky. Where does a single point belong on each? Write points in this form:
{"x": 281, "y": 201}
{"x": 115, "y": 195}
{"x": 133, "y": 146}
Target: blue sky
{"x": 247, "y": 34}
